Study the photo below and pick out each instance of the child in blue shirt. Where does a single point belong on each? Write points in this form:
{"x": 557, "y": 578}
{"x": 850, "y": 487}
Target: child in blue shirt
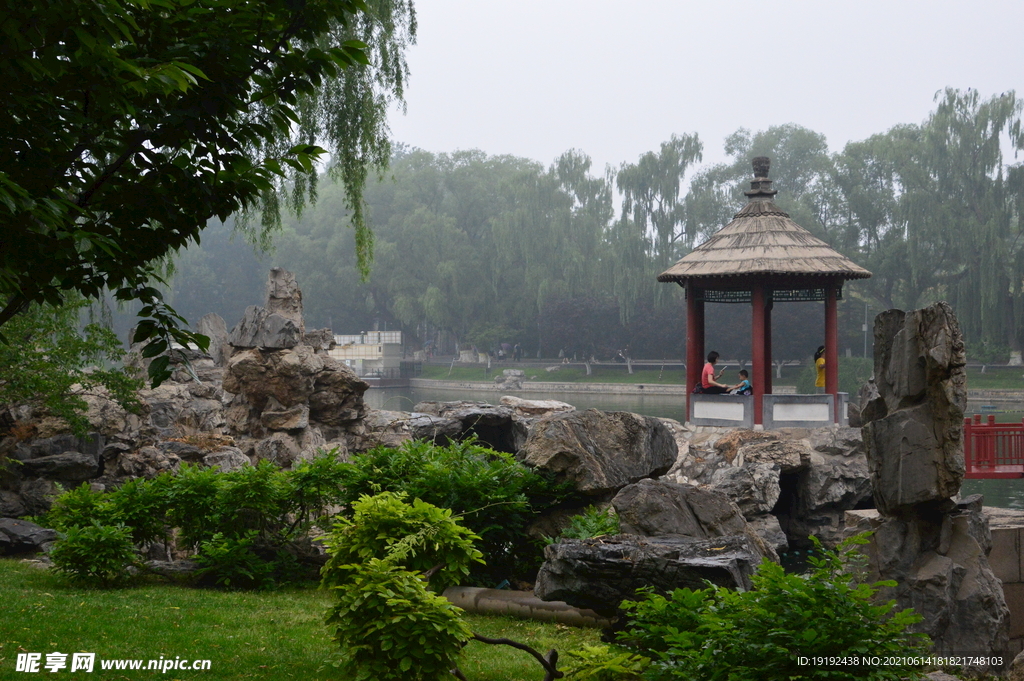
{"x": 743, "y": 387}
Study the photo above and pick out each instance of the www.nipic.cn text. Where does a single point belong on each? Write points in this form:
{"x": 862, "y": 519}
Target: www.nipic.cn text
{"x": 88, "y": 662}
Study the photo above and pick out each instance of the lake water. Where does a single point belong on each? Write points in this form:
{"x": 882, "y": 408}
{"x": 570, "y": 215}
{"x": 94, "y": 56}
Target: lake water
{"x": 1000, "y": 493}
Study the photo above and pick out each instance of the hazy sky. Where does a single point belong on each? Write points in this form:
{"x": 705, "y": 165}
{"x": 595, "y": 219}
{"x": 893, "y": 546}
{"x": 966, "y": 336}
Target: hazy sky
{"x": 615, "y": 79}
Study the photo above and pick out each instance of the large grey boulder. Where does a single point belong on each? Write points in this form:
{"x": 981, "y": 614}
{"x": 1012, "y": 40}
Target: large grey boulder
{"x": 600, "y": 573}
{"x": 22, "y": 536}
{"x": 600, "y": 452}
{"x": 392, "y": 428}
{"x": 654, "y": 508}
{"x": 793, "y": 482}
{"x": 288, "y": 376}
{"x": 68, "y": 466}
{"x": 496, "y": 426}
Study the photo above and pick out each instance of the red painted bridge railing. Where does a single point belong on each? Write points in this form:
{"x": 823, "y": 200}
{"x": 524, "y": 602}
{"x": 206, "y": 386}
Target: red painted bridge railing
{"x": 993, "y": 450}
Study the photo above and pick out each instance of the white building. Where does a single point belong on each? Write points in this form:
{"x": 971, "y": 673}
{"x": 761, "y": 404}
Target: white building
{"x": 371, "y": 353}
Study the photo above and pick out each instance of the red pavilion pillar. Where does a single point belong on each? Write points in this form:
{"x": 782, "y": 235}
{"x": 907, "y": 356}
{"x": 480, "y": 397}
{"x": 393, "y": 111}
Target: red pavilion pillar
{"x": 758, "y": 348}
{"x": 768, "y": 346}
{"x": 694, "y": 342}
{"x": 832, "y": 347}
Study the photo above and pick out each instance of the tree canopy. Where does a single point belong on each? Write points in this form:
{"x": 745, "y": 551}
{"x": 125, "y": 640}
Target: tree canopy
{"x": 128, "y": 124}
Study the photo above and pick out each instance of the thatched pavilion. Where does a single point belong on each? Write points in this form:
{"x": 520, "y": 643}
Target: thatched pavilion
{"x": 762, "y": 257}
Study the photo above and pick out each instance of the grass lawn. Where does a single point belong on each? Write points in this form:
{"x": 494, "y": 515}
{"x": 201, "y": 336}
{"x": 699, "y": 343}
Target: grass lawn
{"x": 246, "y": 635}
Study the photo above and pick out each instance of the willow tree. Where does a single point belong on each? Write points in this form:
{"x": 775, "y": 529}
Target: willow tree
{"x": 652, "y": 232}
{"x": 549, "y": 238}
{"x": 935, "y": 211}
{"x": 126, "y": 126}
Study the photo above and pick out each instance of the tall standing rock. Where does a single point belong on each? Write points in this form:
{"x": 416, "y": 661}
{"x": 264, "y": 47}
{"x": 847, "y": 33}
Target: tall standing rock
{"x": 284, "y": 297}
{"x": 914, "y": 425}
{"x": 934, "y": 548}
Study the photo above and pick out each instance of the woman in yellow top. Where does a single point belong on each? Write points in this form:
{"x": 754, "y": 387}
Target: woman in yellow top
{"x": 819, "y": 364}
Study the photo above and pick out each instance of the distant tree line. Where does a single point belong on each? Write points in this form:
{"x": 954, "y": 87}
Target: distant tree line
{"x": 477, "y": 250}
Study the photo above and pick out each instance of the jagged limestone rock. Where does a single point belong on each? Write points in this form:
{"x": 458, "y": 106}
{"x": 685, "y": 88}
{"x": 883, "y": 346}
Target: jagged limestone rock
{"x": 600, "y": 452}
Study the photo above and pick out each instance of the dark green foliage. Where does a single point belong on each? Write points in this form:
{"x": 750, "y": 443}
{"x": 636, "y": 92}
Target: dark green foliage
{"x": 593, "y": 522}
{"x": 95, "y": 554}
{"x": 249, "y": 527}
{"x": 495, "y": 496}
{"x": 721, "y": 635}
{"x": 126, "y": 127}
{"x": 236, "y": 562}
{"x": 387, "y": 565}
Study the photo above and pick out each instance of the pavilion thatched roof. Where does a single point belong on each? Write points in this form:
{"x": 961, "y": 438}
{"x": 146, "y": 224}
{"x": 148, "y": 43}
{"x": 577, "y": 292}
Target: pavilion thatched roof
{"x": 762, "y": 240}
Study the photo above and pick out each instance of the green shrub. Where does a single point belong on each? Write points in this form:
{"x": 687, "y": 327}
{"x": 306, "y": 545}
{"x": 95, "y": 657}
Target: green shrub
{"x": 77, "y": 508}
{"x": 593, "y": 522}
{"x": 391, "y": 628}
{"x": 721, "y": 635}
{"x": 141, "y": 505}
{"x": 416, "y": 536}
{"x": 245, "y": 525}
{"x": 494, "y": 495}
{"x": 95, "y": 554}
{"x": 387, "y": 620}
{"x": 233, "y": 562}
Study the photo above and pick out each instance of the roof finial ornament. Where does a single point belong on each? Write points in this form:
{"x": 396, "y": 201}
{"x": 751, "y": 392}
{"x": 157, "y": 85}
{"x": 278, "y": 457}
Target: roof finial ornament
{"x": 762, "y": 164}
{"x": 761, "y": 186}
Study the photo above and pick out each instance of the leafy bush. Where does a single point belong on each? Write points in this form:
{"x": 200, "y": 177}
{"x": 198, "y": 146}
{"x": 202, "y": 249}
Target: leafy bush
{"x": 234, "y": 562}
{"x": 246, "y": 525}
{"x": 494, "y": 495}
{"x": 77, "y": 508}
{"x": 95, "y": 554}
{"x": 717, "y": 634}
{"x": 593, "y": 522}
{"x": 389, "y": 624}
{"x": 417, "y": 536}
{"x": 391, "y": 628}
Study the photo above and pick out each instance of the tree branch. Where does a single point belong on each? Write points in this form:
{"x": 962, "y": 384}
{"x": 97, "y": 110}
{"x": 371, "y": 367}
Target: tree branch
{"x": 549, "y": 662}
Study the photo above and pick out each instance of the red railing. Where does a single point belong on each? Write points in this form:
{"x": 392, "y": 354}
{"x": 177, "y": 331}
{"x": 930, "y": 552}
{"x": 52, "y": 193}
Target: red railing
{"x": 993, "y": 450}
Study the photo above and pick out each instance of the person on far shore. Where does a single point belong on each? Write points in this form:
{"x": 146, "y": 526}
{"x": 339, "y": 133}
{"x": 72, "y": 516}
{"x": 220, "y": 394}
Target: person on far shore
{"x": 819, "y": 365}
{"x": 709, "y": 379}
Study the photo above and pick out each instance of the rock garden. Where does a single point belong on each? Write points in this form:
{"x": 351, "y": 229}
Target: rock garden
{"x": 258, "y": 464}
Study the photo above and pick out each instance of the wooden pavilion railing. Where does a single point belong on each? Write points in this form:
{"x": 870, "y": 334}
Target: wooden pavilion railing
{"x": 993, "y": 450}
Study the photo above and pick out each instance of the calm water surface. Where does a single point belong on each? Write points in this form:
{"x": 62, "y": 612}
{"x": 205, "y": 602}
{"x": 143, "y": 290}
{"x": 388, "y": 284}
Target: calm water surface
{"x": 1000, "y": 493}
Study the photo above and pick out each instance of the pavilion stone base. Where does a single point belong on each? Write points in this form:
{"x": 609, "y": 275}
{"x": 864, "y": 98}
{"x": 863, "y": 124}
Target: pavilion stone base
{"x": 728, "y": 411}
{"x": 779, "y": 411}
